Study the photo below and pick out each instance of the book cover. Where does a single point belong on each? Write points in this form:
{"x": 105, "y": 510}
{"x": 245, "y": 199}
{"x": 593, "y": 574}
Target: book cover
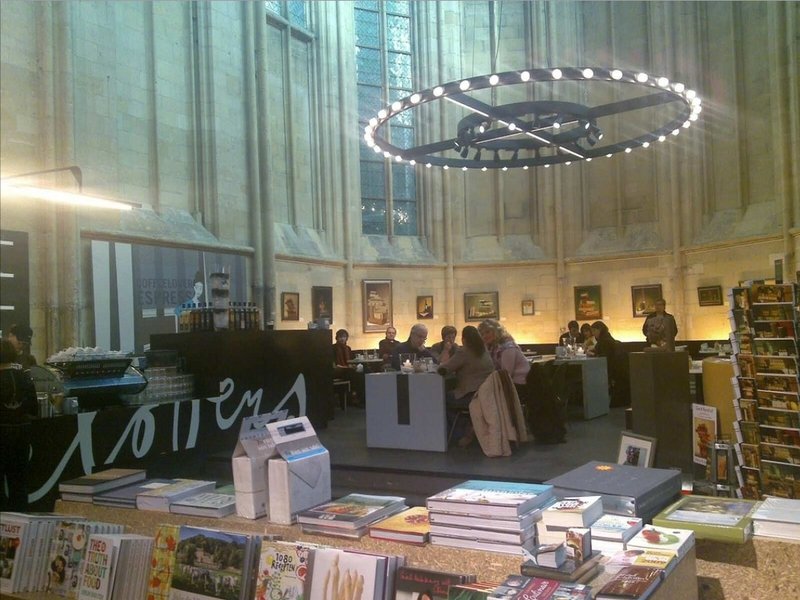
{"x": 615, "y": 527}
{"x": 126, "y": 495}
{"x": 336, "y": 573}
{"x": 521, "y": 587}
{"x": 206, "y": 561}
{"x": 13, "y": 533}
{"x": 471, "y": 591}
{"x": 632, "y": 582}
{"x": 570, "y": 570}
{"x": 496, "y": 498}
{"x": 660, "y": 559}
{"x": 652, "y": 537}
{"x": 162, "y": 563}
{"x": 579, "y": 543}
{"x": 282, "y": 570}
{"x": 66, "y": 551}
{"x": 205, "y": 504}
{"x": 413, "y": 583}
{"x": 352, "y": 511}
{"x": 97, "y": 569}
{"x": 160, "y": 498}
{"x": 412, "y": 526}
{"x": 102, "y": 481}
{"x": 714, "y": 518}
{"x": 573, "y": 511}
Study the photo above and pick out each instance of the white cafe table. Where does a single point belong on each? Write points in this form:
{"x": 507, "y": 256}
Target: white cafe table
{"x": 594, "y": 384}
{"x": 406, "y": 411}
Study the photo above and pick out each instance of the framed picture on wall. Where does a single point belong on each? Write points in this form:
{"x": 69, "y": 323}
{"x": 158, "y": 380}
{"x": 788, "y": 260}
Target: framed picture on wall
{"x": 481, "y": 305}
{"x": 321, "y": 303}
{"x": 588, "y": 303}
{"x": 290, "y": 306}
{"x": 527, "y": 308}
{"x": 710, "y": 295}
{"x": 424, "y": 307}
{"x": 643, "y": 299}
{"x": 377, "y": 303}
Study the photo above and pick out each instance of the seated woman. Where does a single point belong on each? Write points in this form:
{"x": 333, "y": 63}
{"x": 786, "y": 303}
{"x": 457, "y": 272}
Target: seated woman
{"x": 471, "y": 365}
{"x": 588, "y": 337}
{"x": 342, "y": 368}
{"x": 616, "y": 363}
{"x": 506, "y": 354}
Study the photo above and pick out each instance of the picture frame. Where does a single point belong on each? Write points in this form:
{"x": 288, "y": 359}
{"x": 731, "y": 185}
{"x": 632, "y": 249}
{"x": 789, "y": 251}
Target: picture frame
{"x": 527, "y": 308}
{"x": 376, "y": 300}
{"x": 710, "y": 295}
{"x": 643, "y": 299}
{"x": 321, "y": 303}
{"x": 636, "y": 450}
{"x": 481, "y": 305}
{"x": 588, "y": 303}
{"x": 424, "y": 307}
{"x": 290, "y": 306}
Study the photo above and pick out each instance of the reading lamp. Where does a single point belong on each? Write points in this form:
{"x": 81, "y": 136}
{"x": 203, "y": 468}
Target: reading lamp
{"x": 79, "y": 199}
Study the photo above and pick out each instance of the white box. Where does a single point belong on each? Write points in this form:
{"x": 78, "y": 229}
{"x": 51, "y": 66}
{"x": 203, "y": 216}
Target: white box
{"x": 250, "y": 476}
{"x": 300, "y": 477}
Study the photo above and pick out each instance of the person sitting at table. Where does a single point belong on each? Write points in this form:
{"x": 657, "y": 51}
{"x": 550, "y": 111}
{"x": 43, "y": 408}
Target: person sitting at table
{"x": 415, "y": 344}
{"x": 572, "y": 336}
{"x": 387, "y": 345}
{"x": 471, "y": 364}
{"x": 445, "y": 349}
{"x": 342, "y": 369}
{"x": 506, "y": 354}
{"x": 616, "y": 363}
{"x": 588, "y": 337}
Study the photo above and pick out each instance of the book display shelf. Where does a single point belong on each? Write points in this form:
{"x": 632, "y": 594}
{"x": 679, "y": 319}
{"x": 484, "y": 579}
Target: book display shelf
{"x": 764, "y": 323}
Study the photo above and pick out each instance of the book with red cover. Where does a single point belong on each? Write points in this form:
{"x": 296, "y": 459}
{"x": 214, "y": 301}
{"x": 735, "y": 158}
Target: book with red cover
{"x": 634, "y": 582}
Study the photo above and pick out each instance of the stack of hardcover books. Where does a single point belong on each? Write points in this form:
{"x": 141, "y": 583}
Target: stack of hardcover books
{"x": 711, "y": 518}
{"x": 610, "y": 533}
{"x": 160, "y": 498}
{"x": 651, "y": 537}
{"x": 349, "y": 516}
{"x": 83, "y": 489}
{"x": 777, "y": 518}
{"x": 125, "y": 496}
{"x": 569, "y": 513}
{"x": 488, "y": 515}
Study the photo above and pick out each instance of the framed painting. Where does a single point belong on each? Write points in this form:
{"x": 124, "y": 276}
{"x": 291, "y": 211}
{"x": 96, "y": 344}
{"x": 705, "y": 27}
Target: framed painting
{"x": 321, "y": 303}
{"x": 636, "y": 450}
{"x": 290, "y": 306}
{"x": 527, "y": 308}
{"x": 481, "y": 305}
{"x": 710, "y": 295}
{"x": 377, "y": 303}
{"x": 588, "y": 303}
{"x": 643, "y": 299}
{"x": 424, "y": 307}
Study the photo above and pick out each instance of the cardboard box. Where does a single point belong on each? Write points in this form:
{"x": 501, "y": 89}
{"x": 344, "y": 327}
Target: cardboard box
{"x": 250, "y": 472}
{"x": 300, "y": 475}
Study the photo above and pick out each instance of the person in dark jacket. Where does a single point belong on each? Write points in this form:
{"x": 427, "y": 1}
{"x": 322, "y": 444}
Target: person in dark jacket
{"x": 660, "y": 328}
{"x": 18, "y": 406}
{"x": 20, "y": 337}
{"x": 616, "y": 363}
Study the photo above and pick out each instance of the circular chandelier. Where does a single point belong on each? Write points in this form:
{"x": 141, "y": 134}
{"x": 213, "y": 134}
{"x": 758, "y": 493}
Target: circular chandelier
{"x": 534, "y": 132}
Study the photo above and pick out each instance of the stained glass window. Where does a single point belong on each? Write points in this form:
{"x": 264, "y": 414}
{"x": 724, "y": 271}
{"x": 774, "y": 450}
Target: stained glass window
{"x": 384, "y": 74}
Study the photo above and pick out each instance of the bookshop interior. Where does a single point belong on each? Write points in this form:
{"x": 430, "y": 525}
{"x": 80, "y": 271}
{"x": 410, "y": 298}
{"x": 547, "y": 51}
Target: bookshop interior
{"x": 359, "y": 300}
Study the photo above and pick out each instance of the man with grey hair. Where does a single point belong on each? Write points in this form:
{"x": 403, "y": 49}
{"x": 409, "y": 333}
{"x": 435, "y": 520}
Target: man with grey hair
{"x": 415, "y": 344}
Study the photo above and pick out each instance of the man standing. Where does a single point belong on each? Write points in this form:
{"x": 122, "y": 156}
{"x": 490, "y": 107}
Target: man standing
{"x": 660, "y": 328}
{"x": 388, "y": 344}
{"x": 415, "y": 344}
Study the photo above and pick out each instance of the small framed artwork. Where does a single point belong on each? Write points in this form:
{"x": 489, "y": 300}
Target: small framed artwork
{"x": 588, "y": 303}
{"x": 643, "y": 299}
{"x": 527, "y": 308}
{"x": 290, "y": 306}
{"x": 481, "y": 305}
{"x": 636, "y": 450}
{"x": 321, "y": 303}
{"x": 710, "y": 295}
{"x": 424, "y": 307}
{"x": 377, "y": 303}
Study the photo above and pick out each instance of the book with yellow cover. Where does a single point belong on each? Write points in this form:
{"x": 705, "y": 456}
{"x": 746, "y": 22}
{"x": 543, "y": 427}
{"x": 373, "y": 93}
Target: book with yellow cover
{"x": 411, "y": 526}
{"x": 163, "y": 562}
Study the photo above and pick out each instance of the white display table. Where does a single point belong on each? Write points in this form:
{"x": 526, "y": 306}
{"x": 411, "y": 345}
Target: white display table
{"x": 406, "y": 411}
{"x": 594, "y": 384}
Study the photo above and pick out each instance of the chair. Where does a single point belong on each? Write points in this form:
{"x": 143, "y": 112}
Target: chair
{"x": 341, "y": 388}
{"x": 461, "y": 414}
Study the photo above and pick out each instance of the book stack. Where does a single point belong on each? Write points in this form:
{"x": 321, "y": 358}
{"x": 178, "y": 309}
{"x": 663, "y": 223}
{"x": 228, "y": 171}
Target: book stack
{"x": 570, "y": 512}
{"x": 205, "y": 504}
{"x": 652, "y": 537}
{"x": 711, "y": 518}
{"x": 610, "y": 533}
{"x": 777, "y": 518}
{"x": 488, "y": 515}
{"x": 160, "y": 498}
{"x": 83, "y": 489}
{"x": 337, "y": 573}
{"x": 412, "y": 526}
{"x": 115, "y": 566}
{"x": 631, "y": 583}
{"x": 540, "y": 588}
{"x": 557, "y": 565}
{"x": 625, "y": 490}
{"x": 414, "y": 583}
{"x": 125, "y": 497}
{"x": 349, "y": 516}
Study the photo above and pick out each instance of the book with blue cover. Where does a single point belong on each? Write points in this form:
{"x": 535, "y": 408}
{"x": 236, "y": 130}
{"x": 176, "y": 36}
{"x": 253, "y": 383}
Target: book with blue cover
{"x": 502, "y": 499}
